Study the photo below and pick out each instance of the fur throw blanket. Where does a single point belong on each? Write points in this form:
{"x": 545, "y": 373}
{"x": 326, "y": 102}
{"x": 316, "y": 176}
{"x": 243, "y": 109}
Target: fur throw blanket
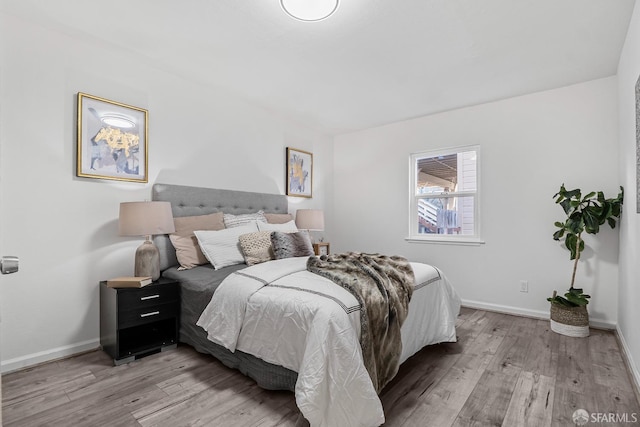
{"x": 383, "y": 286}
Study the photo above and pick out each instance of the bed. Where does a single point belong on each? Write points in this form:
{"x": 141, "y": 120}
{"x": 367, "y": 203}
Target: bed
{"x": 331, "y": 387}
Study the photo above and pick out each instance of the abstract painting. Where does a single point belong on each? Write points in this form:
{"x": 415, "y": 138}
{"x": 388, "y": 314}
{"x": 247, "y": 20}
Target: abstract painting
{"x": 638, "y": 145}
{"x": 299, "y": 173}
{"x": 112, "y": 140}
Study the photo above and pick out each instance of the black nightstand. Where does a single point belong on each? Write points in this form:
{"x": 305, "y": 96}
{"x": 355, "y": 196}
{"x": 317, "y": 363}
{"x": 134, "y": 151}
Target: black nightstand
{"x": 136, "y": 322}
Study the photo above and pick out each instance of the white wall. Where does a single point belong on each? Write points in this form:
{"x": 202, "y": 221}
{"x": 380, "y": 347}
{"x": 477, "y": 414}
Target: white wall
{"x": 64, "y": 228}
{"x": 530, "y": 146}
{"x": 629, "y": 292}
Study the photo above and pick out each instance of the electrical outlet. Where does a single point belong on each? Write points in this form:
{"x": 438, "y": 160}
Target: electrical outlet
{"x": 524, "y": 286}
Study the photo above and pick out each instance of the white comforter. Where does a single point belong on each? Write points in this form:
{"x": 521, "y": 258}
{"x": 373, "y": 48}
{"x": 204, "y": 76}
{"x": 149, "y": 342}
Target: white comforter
{"x": 283, "y": 314}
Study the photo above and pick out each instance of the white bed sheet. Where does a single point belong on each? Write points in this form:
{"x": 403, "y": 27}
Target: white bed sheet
{"x": 315, "y": 331}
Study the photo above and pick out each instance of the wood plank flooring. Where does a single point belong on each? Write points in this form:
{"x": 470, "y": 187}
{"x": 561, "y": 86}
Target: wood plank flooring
{"x": 503, "y": 371}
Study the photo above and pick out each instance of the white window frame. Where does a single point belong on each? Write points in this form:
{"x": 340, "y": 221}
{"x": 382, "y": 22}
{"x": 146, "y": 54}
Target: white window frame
{"x": 414, "y": 236}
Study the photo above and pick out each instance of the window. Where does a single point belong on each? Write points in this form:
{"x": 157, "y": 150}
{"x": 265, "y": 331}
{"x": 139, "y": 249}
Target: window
{"x": 445, "y": 195}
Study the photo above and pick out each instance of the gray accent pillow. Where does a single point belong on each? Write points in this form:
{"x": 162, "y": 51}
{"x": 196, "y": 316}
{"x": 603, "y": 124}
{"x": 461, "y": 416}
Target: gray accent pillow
{"x": 290, "y": 245}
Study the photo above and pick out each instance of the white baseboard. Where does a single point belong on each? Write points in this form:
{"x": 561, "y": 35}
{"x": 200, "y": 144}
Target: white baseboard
{"x": 633, "y": 368}
{"x": 536, "y": 314}
{"x": 22, "y": 362}
{"x": 11, "y": 365}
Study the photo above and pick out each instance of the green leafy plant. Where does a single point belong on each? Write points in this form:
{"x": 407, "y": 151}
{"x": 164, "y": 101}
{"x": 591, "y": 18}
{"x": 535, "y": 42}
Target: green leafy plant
{"x": 574, "y": 298}
{"x": 584, "y": 215}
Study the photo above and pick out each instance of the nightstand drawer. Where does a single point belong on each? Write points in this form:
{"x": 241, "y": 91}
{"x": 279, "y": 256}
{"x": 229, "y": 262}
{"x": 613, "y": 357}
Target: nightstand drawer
{"x": 142, "y": 315}
{"x": 148, "y": 296}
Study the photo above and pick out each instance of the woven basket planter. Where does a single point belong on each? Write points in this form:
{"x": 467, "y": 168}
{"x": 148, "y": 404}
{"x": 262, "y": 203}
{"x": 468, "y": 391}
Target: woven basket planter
{"x": 570, "y": 321}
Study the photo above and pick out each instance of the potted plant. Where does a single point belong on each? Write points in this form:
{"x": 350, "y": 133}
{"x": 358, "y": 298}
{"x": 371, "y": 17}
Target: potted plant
{"x": 569, "y": 315}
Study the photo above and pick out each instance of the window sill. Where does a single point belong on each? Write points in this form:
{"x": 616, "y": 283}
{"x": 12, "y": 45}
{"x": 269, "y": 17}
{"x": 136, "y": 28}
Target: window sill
{"x": 463, "y": 241}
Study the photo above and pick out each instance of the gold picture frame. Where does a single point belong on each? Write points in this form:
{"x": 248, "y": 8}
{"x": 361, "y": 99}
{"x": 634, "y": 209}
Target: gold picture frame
{"x": 637, "y": 90}
{"x": 299, "y": 173}
{"x": 112, "y": 140}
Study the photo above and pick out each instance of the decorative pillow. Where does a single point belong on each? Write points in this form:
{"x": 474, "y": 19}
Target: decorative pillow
{"x": 222, "y": 248}
{"x": 184, "y": 241}
{"x": 256, "y": 247}
{"x": 287, "y": 227}
{"x": 278, "y": 218}
{"x": 189, "y": 224}
{"x": 289, "y": 245}
{"x": 231, "y": 220}
{"x": 187, "y": 250}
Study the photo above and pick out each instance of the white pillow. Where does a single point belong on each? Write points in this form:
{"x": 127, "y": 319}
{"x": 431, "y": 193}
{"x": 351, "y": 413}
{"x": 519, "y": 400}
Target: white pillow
{"x": 287, "y": 227}
{"x": 222, "y": 247}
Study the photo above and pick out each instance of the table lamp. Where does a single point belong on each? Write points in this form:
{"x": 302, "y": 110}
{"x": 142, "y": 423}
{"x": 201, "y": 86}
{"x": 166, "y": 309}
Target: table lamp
{"x": 146, "y": 219}
{"x": 310, "y": 219}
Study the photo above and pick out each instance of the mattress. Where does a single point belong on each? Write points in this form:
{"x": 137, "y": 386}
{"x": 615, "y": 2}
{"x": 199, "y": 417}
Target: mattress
{"x": 197, "y": 286}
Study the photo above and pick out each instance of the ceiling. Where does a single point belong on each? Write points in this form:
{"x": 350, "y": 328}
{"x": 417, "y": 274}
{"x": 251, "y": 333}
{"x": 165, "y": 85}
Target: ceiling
{"x": 373, "y": 62}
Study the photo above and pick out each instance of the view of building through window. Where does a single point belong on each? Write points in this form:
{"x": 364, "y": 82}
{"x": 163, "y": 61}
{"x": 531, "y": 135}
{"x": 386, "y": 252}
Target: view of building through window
{"x": 445, "y": 191}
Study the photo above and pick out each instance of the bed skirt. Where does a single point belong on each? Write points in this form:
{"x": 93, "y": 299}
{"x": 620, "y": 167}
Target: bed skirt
{"x": 267, "y": 375}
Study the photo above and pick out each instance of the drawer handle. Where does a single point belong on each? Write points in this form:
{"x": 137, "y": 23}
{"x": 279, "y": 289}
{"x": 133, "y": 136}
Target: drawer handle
{"x": 149, "y": 297}
{"x": 153, "y": 313}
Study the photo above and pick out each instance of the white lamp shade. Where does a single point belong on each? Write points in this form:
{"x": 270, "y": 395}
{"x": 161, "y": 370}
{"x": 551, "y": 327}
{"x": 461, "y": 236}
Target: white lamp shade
{"x": 309, "y": 10}
{"x": 145, "y": 218}
{"x": 310, "y": 219}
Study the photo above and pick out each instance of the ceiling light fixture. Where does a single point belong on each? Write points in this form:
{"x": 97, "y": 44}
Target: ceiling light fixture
{"x": 119, "y": 121}
{"x": 309, "y": 10}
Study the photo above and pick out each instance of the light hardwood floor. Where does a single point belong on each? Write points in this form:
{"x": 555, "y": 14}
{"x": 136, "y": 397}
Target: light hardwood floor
{"x": 503, "y": 371}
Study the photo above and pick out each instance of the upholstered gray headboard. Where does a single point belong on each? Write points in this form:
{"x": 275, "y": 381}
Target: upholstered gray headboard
{"x": 191, "y": 201}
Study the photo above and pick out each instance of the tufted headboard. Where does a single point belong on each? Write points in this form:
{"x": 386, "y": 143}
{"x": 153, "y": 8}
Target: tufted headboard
{"x": 191, "y": 201}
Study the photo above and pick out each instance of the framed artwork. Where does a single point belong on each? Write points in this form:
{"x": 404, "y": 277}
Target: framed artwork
{"x": 638, "y": 145}
{"x": 112, "y": 140}
{"x": 299, "y": 173}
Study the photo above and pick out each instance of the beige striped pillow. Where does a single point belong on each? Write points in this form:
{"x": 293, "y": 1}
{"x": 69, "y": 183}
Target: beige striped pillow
{"x": 231, "y": 220}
